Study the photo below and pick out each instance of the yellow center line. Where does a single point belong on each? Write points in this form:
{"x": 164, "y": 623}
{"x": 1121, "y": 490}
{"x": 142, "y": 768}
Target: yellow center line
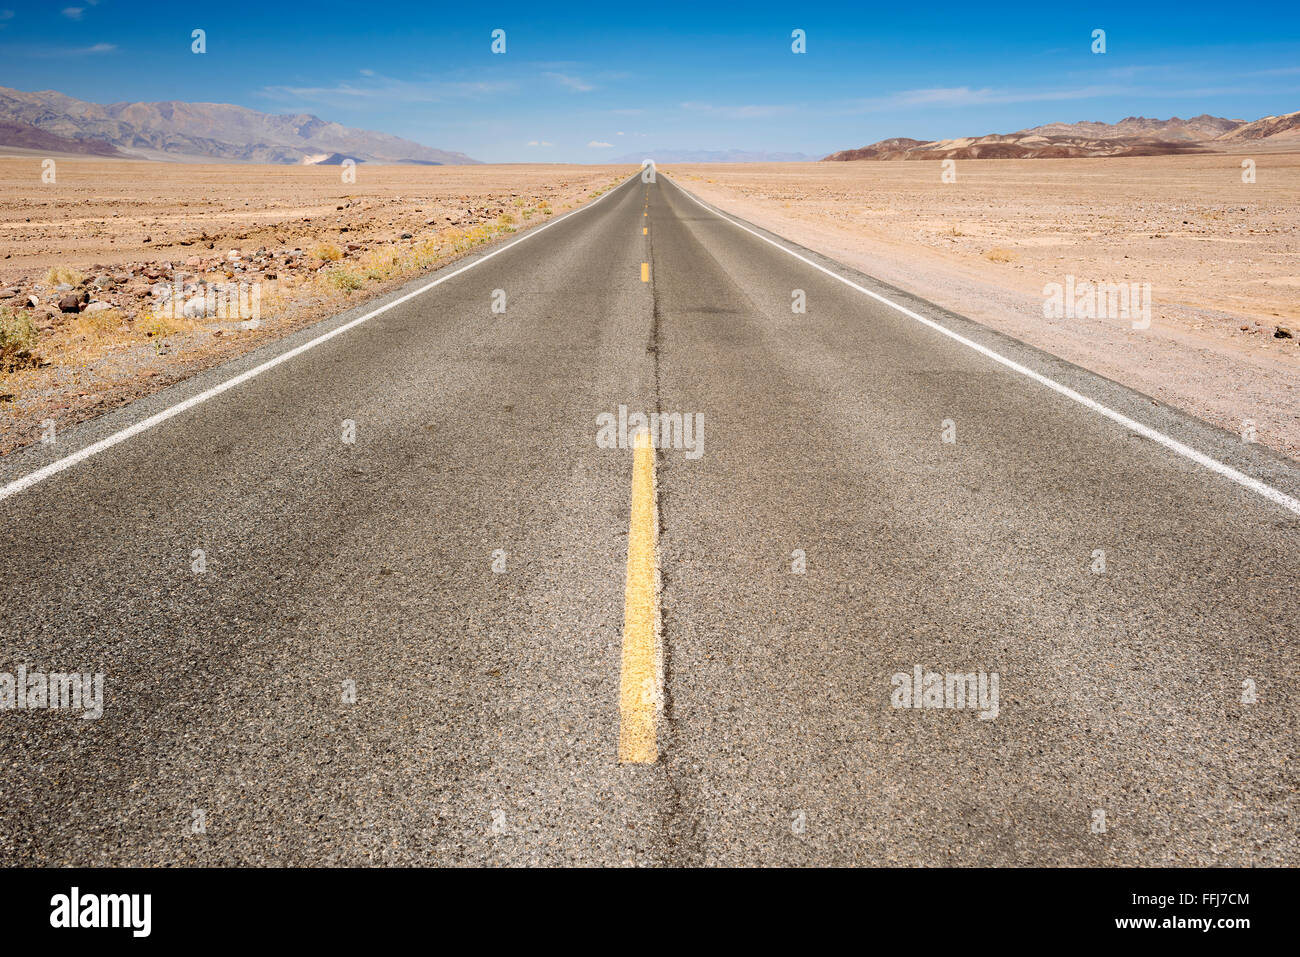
{"x": 640, "y": 694}
{"x": 645, "y": 230}
{"x": 645, "y": 272}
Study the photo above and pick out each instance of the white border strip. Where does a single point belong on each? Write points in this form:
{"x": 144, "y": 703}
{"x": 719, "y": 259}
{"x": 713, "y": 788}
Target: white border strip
{"x": 27, "y": 481}
{"x": 1200, "y": 458}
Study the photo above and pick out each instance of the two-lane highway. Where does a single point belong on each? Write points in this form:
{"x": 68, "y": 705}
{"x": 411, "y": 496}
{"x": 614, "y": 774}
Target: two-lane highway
{"x": 431, "y": 644}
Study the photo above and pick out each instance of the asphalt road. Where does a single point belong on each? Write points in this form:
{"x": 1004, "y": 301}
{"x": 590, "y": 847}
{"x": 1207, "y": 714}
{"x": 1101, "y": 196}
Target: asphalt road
{"x": 487, "y": 712}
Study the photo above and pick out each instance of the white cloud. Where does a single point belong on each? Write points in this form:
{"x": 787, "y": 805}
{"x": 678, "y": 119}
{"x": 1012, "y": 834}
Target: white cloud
{"x": 56, "y": 52}
{"x": 599, "y": 145}
{"x": 378, "y": 87}
{"x": 73, "y": 13}
{"x": 539, "y": 143}
{"x": 965, "y": 96}
{"x": 574, "y": 83}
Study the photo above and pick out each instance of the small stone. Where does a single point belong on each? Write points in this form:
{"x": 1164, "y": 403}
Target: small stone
{"x": 1281, "y": 333}
{"x": 70, "y": 303}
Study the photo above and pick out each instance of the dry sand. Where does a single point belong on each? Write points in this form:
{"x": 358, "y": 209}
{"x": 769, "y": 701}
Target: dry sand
{"x": 134, "y": 225}
{"x": 1219, "y": 254}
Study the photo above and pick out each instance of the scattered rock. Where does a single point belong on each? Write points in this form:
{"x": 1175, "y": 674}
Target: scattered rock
{"x": 1281, "y": 333}
{"x": 99, "y": 306}
{"x": 70, "y": 303}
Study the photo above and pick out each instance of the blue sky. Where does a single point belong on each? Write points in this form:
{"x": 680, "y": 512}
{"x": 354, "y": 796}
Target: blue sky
{"x": 662, "y": 75}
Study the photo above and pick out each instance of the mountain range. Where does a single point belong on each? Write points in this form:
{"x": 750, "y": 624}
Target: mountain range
{"x": 1133, "y": 136}
{"x": 173, "y": 130}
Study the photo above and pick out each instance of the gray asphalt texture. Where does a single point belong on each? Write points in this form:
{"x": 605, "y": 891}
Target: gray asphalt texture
{"x": 485, "y": 725}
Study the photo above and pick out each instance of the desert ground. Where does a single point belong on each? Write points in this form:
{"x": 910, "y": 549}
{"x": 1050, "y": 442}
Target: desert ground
{"x": 82, "y": 260}
{"x": 1222, "y": 257}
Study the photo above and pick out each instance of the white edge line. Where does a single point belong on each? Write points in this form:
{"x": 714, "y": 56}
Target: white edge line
{"x": 27, "y": 481}
{"x": 1255, "y": 485}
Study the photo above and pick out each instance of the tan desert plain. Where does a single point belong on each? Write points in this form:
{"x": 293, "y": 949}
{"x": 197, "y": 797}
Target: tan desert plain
{"x": 1218, "y": 248}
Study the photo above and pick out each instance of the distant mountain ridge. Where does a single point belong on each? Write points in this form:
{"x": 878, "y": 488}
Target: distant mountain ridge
{"x": 1197, "y": 129}
{"x": 1132, "y": 136}
{"x": 28, "y": 137}
{"x": 211, "y": 131}
{"x": 1286, "y": 126}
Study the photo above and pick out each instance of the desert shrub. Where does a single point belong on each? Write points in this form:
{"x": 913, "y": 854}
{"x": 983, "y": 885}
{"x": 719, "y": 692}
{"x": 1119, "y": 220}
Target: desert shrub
{"x": 63, "y": 274}
{"x": 345, "y": 280}
{"x": 1000, "y": 255}
{"x": 327, "y": 251}
{"x": 17, "y": 340}
{"x": 97, "y": 323}
{"x": 160, "y": 327}
{"x": 375, "y": 265}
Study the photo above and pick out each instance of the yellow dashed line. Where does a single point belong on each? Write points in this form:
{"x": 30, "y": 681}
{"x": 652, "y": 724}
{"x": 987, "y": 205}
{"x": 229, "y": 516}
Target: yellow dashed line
{"x": 645, "y": 230}
{"x": 645, "y": 272}
{"x": 640, "y": 693}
